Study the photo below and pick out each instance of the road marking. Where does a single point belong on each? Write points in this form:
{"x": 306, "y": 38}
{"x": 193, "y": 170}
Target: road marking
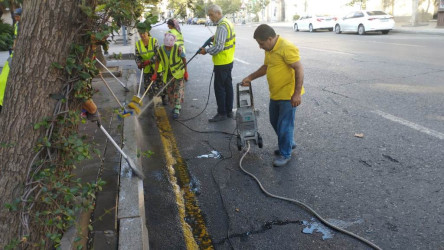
{"x": 244, "y": 62}
{"x": 179, "y": 177}
{"x": 328, "y": 51}
{"x": 401, "y": 44}
{"x": 410, "y": 124}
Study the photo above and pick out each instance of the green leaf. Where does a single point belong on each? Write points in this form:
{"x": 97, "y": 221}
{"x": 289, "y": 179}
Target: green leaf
{"x": 56, "y": 65}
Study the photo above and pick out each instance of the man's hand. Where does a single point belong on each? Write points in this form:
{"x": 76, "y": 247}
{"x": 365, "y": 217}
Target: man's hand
{"x": 154, "y": 77}
{"x": 296, "y": 100}
{"x": 202, "y": 51}
{"x": 185, "y": 76}
{"x": 246, "y": 82}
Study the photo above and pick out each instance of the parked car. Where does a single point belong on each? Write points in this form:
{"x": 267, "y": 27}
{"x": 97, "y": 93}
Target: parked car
{"x": 201, "y": 21}
{"x": 364, "y": 21}
{"x": 313, "y": 23}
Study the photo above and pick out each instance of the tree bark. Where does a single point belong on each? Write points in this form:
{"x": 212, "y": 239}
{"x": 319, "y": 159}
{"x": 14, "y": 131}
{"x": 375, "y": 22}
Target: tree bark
{"x": 48, "y": 29}
{"x": 414, "y": 19}
{"x": 283, "y": 10}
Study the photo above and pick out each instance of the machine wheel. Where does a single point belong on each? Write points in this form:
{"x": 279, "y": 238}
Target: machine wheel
{"x": 296, "y": 27}
{"x": 260, "y": 143}
{"x": 239, "y": 143}
{"x": 361, "y": 30}
{"x": 310, "y": 28}
{"x": 385, "y": 32}
{"x": 338, "y": 29}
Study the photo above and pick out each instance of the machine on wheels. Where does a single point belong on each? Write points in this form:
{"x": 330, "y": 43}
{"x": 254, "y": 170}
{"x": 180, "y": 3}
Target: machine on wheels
{"x": 246, "y": 122}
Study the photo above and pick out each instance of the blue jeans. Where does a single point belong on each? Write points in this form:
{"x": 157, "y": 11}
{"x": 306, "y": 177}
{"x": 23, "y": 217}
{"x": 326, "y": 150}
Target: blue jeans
{"x": 282, "y": 116}
{"x": 223, "y": 88}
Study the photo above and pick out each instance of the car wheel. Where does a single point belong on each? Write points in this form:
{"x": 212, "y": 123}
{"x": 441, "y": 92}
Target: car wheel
{"x": 295, "y": 27}
{"x": 361, "y": 30}
{"x": 385, "y": 32}
{"x": 338, "y": 29}
{"x": 310, "y": 28}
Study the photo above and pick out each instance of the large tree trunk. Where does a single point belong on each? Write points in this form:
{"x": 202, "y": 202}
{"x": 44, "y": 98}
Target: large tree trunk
{"x": 48, "y": 29}
{"x": 283, "y": 10}
{"x": 414, "y": 20}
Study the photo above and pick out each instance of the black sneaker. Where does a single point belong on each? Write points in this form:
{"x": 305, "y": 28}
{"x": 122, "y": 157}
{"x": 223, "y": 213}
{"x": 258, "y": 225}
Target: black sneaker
{"x": 164, "y": 100}
{"x": 277, "y": 152}
{"x": 230, "y": 115}
{"x": 218, "y": 118}
{"x": 280, "y": 161}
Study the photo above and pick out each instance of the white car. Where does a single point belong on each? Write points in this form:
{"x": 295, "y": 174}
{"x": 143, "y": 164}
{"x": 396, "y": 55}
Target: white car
{"x": 364, "y": 21}
{"x": 313, "y": 23}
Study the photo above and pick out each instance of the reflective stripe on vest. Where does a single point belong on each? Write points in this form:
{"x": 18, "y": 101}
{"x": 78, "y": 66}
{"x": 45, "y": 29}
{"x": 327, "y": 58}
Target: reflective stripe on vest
{"x": 4, "y": 78}
{"x": 16, "y": 29}
{"x": 173, "y": 63}
{"x": 179, "y": 38}
{"x": 147, "y": 54}
{"x": 226, "y": 56}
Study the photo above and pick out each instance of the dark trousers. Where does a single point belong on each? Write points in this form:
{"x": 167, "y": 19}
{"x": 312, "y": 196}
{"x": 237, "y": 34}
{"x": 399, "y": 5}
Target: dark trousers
{"x": 223, "y": 88}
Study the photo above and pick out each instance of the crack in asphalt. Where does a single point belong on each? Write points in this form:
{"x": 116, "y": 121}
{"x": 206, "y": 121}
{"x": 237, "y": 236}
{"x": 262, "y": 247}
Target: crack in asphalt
{"x": 265, "y": 227}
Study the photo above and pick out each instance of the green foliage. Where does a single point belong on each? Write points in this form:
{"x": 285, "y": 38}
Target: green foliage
{"x": 179, "y": 7}
{"x": 6, "y": 36}
{"x": 256, "y": 6}
{"x": 296, "y": 17}
{"x": 200, "y": 8}
{"x": 363, "y": 3}
{"x": 229, "y": 6}
{"x": 146, "y": 154}
{"x": 146, "y": 25}
{"x": 53, "y": 194}
{"x": 59, "y": 192}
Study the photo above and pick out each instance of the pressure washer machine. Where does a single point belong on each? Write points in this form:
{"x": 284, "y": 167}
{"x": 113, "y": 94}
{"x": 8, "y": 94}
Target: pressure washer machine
{"x": 246, "y": 122}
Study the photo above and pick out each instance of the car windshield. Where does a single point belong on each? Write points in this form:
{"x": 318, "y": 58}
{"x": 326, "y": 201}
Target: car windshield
{"x": 376, "y": 13}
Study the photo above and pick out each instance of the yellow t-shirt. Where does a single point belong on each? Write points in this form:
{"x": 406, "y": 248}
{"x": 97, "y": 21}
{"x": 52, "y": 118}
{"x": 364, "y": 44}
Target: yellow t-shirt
{"x": 280, "y": 75}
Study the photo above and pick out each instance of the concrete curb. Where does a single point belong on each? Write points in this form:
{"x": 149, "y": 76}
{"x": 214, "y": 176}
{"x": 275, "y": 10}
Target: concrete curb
{"x": 68, "y": 241}
{"x": 422, "y": 32}
{"x": 133, "y": 233}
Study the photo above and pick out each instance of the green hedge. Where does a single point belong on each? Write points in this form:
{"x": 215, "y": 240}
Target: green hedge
{"x": 6, "y": 36}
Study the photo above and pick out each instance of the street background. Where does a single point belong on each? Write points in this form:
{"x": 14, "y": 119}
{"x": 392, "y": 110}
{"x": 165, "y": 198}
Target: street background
{"x": 385, "y": 187}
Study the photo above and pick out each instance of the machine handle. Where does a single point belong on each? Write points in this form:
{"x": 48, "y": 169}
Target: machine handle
{"x": 250, "y": 90}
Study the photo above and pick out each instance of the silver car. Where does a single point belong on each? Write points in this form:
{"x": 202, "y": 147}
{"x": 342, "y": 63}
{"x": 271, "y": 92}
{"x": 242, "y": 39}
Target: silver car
{"x": 314, "y": 22}
{"x": 364, "y": 21}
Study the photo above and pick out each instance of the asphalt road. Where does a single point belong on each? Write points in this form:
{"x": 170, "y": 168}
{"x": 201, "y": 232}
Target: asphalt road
{"x": 386, "y": 186}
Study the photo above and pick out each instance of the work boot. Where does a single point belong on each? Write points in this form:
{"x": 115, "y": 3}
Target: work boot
{"x": 218, "y": 118}
{"x": 176, "y": 113}
{"x": 277, "y": 152}
{"x": 230, "y": 115}
{"x": 164, "y": 100}
{"x": 280, "y": 161}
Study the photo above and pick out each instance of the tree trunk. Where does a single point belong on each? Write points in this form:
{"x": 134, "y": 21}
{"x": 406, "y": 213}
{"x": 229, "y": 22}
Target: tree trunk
{"x": 414, "y": 19}
{"x": 283, "y": 10}
{"x": 48, "y": 29}
{"x": 393, "y": 7}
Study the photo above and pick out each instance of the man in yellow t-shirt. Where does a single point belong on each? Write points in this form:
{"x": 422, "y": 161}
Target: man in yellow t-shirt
{"x": 285, "y": 76}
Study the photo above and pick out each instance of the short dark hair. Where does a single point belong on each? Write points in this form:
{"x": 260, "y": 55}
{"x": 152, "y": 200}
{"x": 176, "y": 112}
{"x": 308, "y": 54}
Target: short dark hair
{"x": 170, "y": 22}
{"x": 263, "y": 32}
